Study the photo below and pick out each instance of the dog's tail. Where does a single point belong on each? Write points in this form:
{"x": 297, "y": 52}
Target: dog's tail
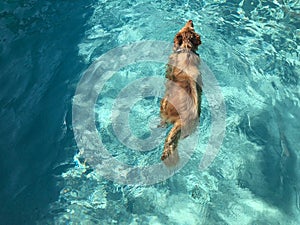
{"x": 170, "y": 153}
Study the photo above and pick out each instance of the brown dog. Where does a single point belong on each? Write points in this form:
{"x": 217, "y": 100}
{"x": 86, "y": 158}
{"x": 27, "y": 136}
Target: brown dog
{"x": 181, "y": 103}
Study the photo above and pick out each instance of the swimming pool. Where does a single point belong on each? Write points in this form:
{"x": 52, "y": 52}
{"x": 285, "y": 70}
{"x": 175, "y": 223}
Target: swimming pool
{"x": 251, "y": 48}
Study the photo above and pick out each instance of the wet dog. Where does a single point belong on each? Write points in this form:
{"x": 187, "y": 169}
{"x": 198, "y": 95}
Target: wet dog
{"x": 182, "y": 101}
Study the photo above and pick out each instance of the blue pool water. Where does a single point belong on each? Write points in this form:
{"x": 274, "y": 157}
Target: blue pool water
{"x": 47, "y": 49}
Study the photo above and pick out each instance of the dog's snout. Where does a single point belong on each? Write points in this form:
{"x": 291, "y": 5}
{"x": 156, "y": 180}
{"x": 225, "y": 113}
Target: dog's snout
{"x": 190, "y": 23}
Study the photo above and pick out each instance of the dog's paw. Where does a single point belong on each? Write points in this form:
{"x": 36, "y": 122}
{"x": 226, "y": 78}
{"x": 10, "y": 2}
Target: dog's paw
{"x": 162, "y": 124}
{"x": 170, "y": 156}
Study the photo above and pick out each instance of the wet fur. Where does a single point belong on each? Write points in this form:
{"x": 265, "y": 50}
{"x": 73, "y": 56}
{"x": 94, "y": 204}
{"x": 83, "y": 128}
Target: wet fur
{"x": 182, "y": 101}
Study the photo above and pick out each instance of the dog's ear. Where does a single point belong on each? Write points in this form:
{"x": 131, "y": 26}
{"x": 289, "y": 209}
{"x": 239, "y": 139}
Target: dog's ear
{"x": 197, "y": 40}
{"x": 177, "y": 41}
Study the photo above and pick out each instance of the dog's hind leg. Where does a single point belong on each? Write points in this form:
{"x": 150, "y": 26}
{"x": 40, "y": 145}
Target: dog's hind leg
{"x": 171, "y": 142}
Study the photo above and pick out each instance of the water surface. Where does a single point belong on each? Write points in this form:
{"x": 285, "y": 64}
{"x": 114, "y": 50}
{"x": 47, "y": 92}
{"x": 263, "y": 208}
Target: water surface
{"x": 252, "y": 47}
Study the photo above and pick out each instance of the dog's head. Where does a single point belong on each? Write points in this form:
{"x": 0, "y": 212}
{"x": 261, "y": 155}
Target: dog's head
{"x": 187, "y": 38}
